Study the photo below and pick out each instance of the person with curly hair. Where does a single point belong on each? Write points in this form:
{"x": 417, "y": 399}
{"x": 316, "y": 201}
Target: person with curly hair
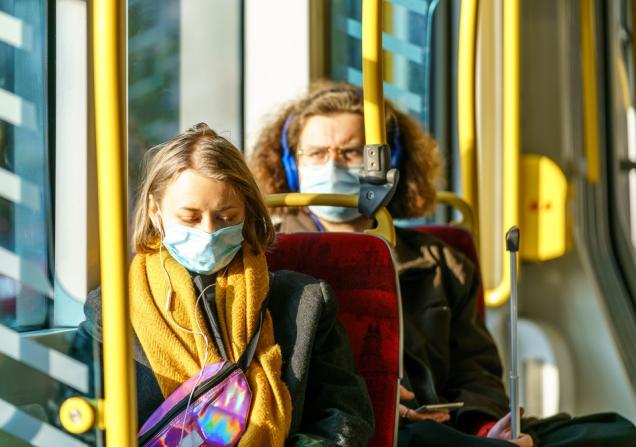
{"x": 315, "y": 145}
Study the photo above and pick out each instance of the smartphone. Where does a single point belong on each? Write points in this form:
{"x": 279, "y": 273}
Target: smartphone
{"x": 439, "y": 407}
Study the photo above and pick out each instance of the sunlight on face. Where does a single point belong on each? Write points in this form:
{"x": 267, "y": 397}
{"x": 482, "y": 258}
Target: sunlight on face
{"x": 200, "y": 202}
{"x": 335, "y": 131}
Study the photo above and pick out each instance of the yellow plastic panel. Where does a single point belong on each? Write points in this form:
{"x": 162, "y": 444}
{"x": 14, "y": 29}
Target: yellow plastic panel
{"x": 543, "y": 209}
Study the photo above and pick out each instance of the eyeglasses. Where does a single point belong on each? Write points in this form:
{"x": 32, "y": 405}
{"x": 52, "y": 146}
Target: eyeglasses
{"x": 320, "y": 155}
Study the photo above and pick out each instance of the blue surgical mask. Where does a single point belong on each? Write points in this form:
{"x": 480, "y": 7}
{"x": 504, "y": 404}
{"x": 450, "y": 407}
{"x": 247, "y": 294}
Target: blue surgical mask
{"x": 200, "y": 251}
{"x": 331, "y": 178}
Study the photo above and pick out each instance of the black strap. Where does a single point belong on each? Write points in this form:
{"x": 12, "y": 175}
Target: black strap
{"x": 210, "y": 310}
{"x": 248, "y": 355}
{"x": 250, "y": 350}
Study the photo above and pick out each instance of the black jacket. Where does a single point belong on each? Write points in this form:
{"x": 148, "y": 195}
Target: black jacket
{"x": 330, "y": 402}
{"x": 449, "y": 355}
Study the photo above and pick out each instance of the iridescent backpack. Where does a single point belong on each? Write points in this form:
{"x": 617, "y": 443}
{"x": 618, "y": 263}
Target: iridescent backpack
{"x": 218, "y": 411}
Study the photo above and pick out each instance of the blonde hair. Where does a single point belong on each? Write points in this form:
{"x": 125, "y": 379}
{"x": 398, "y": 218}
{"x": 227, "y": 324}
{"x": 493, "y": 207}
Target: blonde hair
{"x": 420, "y": 163}
{"x": 203, "y": 150}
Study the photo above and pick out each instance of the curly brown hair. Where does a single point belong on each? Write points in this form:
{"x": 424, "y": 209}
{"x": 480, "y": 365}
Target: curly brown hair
{"x": 420, "y": 163}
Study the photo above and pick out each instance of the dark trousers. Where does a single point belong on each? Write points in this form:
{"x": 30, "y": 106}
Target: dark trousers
{"x": 597, "y": 430}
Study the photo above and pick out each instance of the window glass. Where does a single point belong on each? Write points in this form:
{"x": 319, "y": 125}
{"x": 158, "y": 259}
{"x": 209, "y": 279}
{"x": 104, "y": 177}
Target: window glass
{"x": 419, "y": 68}
{"x": 185, "y": 67}
{"x": 153, "y": 77}
{"x": 24, "y": 192}
{"x": 37, "y": 366}
{"x": 624, "y": 118}
{"x": 408, "y": 51}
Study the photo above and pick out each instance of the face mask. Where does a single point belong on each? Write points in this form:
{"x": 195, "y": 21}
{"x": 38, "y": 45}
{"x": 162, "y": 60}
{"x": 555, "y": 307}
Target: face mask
{"x": 200, "y": 251}
{"x": 331, "y": 178}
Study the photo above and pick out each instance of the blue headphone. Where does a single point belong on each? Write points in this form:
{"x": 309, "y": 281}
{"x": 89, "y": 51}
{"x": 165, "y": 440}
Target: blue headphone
{"x": 289, "y": 161}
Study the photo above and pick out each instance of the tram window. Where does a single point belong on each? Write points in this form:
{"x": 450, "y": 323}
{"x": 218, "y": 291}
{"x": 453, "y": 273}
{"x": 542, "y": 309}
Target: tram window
{"x": 419, "y": 44}
{"x": 414, "y": 48}
{"x": 33, "y": 357}
{"x": 185, "y": 66}
{"x": 625, "y": 122}
{"x": 622, "y": 153}
{"x": 24, "y": 192}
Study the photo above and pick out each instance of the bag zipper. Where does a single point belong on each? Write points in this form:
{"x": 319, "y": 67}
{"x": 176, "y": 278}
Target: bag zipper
{"x": 223, "y": 374}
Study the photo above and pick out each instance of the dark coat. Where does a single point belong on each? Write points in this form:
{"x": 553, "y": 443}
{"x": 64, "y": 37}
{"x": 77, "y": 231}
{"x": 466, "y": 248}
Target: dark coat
{"x": 449, "y": 355}
{"x": 330, "y": 402}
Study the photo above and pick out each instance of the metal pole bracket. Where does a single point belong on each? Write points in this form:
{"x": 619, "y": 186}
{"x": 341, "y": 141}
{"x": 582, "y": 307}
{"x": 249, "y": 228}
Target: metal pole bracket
{"x": 378, "y": 181}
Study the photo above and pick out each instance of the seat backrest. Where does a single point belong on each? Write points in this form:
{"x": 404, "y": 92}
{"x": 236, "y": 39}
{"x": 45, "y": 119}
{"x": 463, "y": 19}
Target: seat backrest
{"x": 462, "y": 241}
{"x": 360, "y": 270}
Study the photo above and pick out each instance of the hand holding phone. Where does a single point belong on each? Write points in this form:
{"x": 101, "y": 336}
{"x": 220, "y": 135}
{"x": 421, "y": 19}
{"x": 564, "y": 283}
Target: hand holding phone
{"x": 439, "y": 407}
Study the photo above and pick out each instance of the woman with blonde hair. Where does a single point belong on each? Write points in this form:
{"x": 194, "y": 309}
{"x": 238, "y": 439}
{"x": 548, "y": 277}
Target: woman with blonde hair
{"x": 201, "y": 293}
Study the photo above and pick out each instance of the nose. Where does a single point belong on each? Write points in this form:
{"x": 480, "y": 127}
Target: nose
{"x": 207, "y": 224}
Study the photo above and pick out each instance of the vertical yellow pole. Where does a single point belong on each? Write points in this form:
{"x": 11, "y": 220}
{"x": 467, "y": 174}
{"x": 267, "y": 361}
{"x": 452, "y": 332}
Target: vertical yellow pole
{"x": 466, "y": 104}
{"x": 632, "y": 9}
{"x": 590, "y": 94}
{"x": 511, "y": 111}
{"x": 374, "y": 127}
{"x": 387, "y": 56}
{"x": 120, "y": 414}
{"x": 511, "y": 137}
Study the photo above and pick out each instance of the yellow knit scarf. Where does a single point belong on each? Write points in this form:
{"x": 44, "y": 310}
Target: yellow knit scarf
{"x": 176, "y": 355}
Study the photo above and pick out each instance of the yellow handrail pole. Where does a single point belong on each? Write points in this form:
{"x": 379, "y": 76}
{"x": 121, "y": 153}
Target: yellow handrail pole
{"x": 590, "y": 93}
{"x": 466, "y": 121}
{"x": 511, "y": 138}
{"x": 120, "y": 414}
{"x": 453, "y": 200}
{"x": 632, "y": 8}
{"x": 384, "y": 222}
{"x": 374, "y": 127}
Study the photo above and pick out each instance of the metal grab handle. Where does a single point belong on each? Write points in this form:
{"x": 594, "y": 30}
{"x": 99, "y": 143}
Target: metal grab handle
{"x": 384, "y": 229}
{"x": 512, "y": 245}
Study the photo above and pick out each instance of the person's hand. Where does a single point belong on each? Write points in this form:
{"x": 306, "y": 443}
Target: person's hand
{"x": 413, "y": 416}
{"x": 502, "y": 430}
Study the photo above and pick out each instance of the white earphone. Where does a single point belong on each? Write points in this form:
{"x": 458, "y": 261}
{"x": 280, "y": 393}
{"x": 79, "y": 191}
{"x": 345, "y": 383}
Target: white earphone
{"x": 168, "y": 309}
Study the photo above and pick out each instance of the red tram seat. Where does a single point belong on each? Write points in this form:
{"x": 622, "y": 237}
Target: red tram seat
{"x": 360, "y": 269}
{"x": 462, "y": 241}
